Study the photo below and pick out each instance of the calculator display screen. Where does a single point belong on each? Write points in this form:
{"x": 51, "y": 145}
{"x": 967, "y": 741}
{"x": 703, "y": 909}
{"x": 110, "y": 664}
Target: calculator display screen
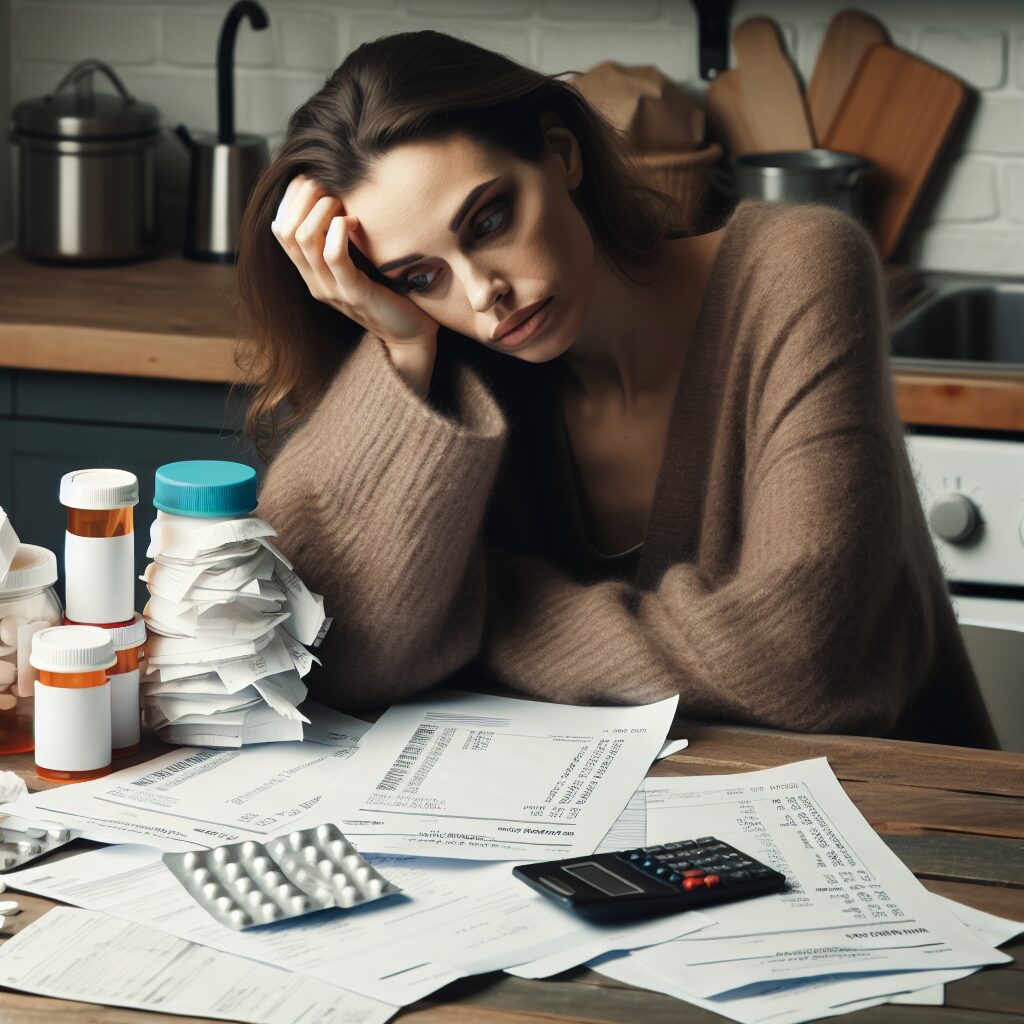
{"x": 602, "y": 879}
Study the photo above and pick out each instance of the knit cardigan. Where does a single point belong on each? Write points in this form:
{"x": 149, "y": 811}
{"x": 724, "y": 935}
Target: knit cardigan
{"x": 787, "y": 577}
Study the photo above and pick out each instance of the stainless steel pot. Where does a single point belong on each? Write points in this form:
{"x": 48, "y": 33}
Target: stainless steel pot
{"x": 809, "y": 175}
{"x": 87, "y": 172}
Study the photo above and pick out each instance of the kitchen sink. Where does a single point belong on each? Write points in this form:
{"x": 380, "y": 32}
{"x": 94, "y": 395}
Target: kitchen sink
{"x": 964, "y": 322}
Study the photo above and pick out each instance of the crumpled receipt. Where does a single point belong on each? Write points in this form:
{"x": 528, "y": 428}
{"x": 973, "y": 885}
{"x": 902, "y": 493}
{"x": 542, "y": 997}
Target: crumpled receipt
{"x": 12, "y": 787}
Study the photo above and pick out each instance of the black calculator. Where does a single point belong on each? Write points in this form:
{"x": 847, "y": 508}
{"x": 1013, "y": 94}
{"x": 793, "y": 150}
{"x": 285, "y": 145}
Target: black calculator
{"x": 652, "y": 879}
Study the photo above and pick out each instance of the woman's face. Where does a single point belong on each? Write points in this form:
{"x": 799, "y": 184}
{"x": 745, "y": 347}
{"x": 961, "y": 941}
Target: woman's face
{"x": 487, "y": 244}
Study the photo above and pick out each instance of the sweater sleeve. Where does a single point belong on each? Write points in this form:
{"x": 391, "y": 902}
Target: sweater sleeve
{"x": 378, "y": 499}
{"x": 823, "y": 622}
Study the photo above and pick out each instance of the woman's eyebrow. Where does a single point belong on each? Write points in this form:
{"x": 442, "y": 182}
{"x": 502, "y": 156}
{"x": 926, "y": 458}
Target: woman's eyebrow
{"x": 460, "y": 215}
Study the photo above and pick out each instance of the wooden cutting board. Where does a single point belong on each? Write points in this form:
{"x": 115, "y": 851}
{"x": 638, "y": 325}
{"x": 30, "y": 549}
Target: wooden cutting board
{"x": 759, "y": 105}
{"x": 849, "y": 36}
{"x": 897, "y": 113}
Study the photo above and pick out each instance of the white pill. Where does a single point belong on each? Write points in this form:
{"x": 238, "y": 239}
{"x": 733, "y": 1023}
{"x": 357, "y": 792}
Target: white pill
{"x": 191, "y": 860}
{"x": 238, "y": 918}
{"x": 363, "y": 873}
{"x": 244, "y": 885}
{"x": 310, "y": 854}
{"x": 3, "y": 888}
{"x": 324, "y": 832}
{"x": 272, "y": 878}
{"x": 374, "y": 887}
{"x": 224, "y": 903}
{"x": 249, "y": 849}
{"x": 221, "y": 855}
{"x": 284, "y": 891}
{"x": 255, "y": 898}
{"x": 299, "y": 904}
{"x": 59, "y": 835}
{"x": 348, "y": 896}
{"x": 31, "y": 849}
{"x": 270, "y": 913}
{"x": 326, "y": 868}
{"x": 352, "y": 861}
{"x": 295, "y": 840}
{"x": 260, "y": 864}
{"x": 8, "y": 701}
{"x": 9, "y": 629}
{"x": 232, "y": 871}
{"x": 339, "y": 848}
{"x": 8, "y": 673}
{"x": 8, "y": 908}
{"x": 35, "y": 833}
{"x": 211, "y": 890}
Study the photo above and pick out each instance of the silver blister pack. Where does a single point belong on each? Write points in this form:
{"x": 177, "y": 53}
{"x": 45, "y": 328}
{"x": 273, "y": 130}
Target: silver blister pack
{"x": 22, "y": 842}
{"x": 247, "y": 884}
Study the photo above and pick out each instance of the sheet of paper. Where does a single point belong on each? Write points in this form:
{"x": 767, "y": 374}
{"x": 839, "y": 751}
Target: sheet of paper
{"x": 672, "y": 747}
{"x": 454, "y": 918}
{"x": 57, "y": 956}
{"x": 481, "y": 777}
{"x": 167, "y": 802}
{"x": 853, "y": 906}
{"x": 797, "y": 1001}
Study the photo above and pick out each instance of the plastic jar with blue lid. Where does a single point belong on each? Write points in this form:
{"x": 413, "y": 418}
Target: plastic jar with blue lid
{"x": 206, "y": 489}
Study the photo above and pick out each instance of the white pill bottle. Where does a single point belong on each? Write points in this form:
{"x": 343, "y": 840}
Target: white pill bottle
{"x": 72, "y": 702}
{"x": 99, "y": 545}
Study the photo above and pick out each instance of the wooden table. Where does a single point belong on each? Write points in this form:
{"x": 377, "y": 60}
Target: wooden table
{"x": 954, "y": 815}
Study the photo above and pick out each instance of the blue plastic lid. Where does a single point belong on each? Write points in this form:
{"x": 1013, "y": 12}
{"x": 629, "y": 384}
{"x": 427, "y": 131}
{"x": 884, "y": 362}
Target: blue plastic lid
{"x": 206, "y": 488}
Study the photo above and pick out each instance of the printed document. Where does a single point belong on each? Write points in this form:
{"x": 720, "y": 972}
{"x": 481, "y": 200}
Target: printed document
{"x": 455, "y": 917}
{"x": 202, "y": 796}
{"x": 853, "y": 906}
{"x": 484, "y": 778}
{"x": 57, "y": 956}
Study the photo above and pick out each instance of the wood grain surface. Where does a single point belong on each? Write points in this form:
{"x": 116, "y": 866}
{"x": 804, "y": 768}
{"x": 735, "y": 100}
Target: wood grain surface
{"x": 759, "y": 106}
{"x": 954, "y": 815}
{"x": 849, "y": 36}
{"x": 898, "y": 113}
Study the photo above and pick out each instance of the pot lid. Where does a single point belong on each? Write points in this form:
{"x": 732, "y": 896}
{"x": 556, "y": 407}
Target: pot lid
{"x": 80, "y": 112}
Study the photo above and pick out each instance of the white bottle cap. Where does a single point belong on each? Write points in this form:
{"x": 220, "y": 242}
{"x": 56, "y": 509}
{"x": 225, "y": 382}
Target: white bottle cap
{"x": 8, "y": 544}
{"x": 33, "y": 567}
{"x": 132, "y": 634}
{"x": 99, "y": 489}
{"x": 72, "y": 649}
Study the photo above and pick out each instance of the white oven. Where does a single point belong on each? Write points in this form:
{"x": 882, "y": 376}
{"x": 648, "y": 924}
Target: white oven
{"x": 972, "y": 489}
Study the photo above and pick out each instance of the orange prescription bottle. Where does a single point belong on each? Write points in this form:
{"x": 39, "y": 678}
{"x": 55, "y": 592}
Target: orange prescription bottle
{"x": 125, "y": 709}
{"x": 99, "y": 545}
{"x": 72, "y": 694}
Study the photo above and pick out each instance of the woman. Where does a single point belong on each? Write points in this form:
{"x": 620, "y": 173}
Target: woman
{"x": 546, "y": 440}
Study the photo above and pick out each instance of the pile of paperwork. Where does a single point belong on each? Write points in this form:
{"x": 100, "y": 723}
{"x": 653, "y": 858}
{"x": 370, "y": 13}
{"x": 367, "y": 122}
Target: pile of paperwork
{"x": 227, "y": 619}
{"x": 444, "y": 796}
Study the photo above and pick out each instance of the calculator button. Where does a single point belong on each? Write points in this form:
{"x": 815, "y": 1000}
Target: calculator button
{"x": 741, "y": 876}
{"x": 648, "y": 863}
{"x": 634, "y": 855}
{"x": 661, "y": 870}
{"x": 704, "y": 840}
{"x": 654, "y": 850}
{"x": 761, "y": 872}
{"x": 689, "y": 884}
{"x": 674, "y": 877}
{"x": 711, "y": 881}
{"x": 694, "y": 873}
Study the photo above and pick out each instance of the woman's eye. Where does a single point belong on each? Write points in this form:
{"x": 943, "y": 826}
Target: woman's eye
{"x": 420, "y": 282}
{"x": 494, "y": 219}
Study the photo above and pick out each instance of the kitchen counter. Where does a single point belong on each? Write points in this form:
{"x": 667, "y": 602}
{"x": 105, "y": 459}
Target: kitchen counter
{"x": 172, "y": 319}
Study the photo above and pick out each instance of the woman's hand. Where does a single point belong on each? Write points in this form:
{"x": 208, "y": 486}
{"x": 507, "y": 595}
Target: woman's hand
{"x": 314, "y": 231}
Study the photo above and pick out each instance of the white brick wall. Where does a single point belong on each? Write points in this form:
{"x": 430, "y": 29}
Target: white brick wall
{"x": 165, "y": 49}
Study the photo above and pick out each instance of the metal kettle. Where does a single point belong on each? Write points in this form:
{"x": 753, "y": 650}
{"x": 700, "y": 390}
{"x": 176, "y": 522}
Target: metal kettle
{"x": 224, "y": 164}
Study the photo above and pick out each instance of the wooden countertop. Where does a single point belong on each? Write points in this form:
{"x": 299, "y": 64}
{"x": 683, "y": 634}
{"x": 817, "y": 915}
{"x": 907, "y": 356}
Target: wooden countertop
{"x": 173, "y": 318}
{"x": 954, "y": 815}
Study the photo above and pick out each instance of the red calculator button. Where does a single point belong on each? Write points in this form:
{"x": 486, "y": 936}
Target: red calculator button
{"x": 694, "y": 873}
{"x": 692, "y": 883}
{"x": 711, "y": 880}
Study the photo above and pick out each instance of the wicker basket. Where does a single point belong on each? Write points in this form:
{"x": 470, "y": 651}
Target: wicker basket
{"x": 684, "y": 176}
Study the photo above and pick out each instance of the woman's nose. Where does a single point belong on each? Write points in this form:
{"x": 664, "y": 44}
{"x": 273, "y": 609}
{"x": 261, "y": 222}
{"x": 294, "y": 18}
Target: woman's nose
{"x": 484, "y": 288}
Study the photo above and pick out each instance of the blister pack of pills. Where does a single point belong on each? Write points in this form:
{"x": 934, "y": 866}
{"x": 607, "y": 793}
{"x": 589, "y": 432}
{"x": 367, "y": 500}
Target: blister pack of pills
{"x": 247, "y": 884}
{"x": 24, "y": 843}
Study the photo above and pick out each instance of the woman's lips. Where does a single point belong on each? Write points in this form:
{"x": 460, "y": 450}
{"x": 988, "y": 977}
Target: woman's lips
{"x": 525, "y": 329}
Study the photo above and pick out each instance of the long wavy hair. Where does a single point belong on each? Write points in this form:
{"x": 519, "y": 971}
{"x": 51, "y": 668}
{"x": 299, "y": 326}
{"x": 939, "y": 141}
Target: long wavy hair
{"x": 395, "y": 90}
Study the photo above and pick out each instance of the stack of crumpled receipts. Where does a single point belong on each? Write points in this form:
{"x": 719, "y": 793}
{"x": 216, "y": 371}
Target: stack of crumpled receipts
{"x": 227, "y": 620}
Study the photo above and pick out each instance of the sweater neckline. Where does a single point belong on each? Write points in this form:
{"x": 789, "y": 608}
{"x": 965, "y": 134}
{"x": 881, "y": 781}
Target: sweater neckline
{"x": 663, "y": 512}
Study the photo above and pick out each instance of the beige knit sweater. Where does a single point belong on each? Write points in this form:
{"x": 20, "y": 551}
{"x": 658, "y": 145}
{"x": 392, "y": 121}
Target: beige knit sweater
{"x": 787, "y": 578}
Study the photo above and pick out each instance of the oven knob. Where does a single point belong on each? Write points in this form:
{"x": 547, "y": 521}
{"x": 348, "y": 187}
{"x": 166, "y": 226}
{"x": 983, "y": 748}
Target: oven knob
{"x": 953, "y": 517}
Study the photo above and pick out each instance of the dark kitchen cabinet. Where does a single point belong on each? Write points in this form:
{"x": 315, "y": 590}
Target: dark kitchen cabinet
{"x": 51, "y": 423}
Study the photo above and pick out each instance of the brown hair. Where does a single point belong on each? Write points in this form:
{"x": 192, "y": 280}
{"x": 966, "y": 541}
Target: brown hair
{"x": 397, "y": 89}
